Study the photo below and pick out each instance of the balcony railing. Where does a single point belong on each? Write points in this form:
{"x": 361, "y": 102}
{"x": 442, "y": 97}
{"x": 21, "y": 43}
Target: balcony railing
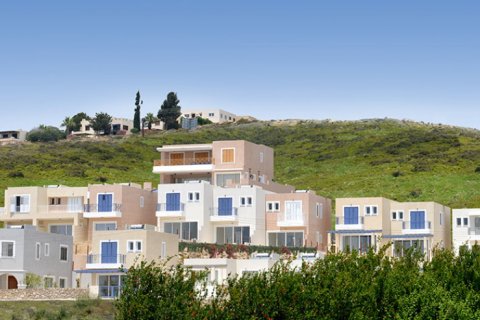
{"x": 99, "y": 259}
{"x": 163, "y": 207}
{"x": 416, "y": 225}
{"x": 474, "y": 231}
{"x": 216, "y": 212}
{"x": 183, "y": 162}
{"x": 65, "y": 208}
{"x": 115, "y": 207}
{"x": 349, "y": 220}
{"x": 285, "y": 221}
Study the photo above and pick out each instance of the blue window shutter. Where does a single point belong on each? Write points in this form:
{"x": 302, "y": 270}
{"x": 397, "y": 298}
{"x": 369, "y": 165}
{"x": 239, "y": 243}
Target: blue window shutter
{"x": 351, "y": 215}
{"x": 105, "y": 203}
{"x": 224, "y": 206}
{"x": 173, "y": 201}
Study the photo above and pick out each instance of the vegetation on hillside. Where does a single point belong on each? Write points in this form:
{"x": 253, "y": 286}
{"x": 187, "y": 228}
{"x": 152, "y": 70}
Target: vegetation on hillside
{"x": 396, "y": 159}
{"x": 340, "y": 286}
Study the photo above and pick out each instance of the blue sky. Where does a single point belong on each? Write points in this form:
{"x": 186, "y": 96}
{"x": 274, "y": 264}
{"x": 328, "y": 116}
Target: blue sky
{"x": 340, "y": 60}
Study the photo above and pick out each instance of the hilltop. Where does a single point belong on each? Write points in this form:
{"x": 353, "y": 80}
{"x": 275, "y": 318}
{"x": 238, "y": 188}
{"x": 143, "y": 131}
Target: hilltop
{"x": 401, "y": 160}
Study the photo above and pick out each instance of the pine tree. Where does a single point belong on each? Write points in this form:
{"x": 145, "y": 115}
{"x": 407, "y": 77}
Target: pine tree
{"x": 170, "y": 111}
{"x": 136, "y": 117}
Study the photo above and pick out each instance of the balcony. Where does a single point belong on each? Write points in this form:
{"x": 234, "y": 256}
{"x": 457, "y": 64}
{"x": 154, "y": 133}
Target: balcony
{"x": 474, "y": 231}
{"x": 351, "y": 223}
{"x": 284, "y": 221}
{"x": 65, "y": 208}
{"x": 416, "y": 227}
{"x": 186, "y": 165}
{"x": 217, "y": 215}
{"x": 102, "y": 211}
{"x": 97, "y": 261}
{"x": 170, "y": 211}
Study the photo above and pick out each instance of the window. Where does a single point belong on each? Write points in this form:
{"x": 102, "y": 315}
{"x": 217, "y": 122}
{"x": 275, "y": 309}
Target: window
{"x": 46, "y": 250}
{"x": 465, "y": 222}
{"x": 459, "y": 222}
{"x": 185, "y": 230}
{"x": 20, "y": 204}
{"x": 285, "y": 239}
{"x": 8, "y": 249}
{"x": 142, "y": 202}
{"x": 62, "y": 282}
{"x": 293, "y": 211}
{"x": 273, "y": 206}
{"x": 65, "y": 229}
{"x": 164, "y": 250}
{"x": 63, "y": 253}
{"x": 371, "y": 210}
{"x": 228, "y": 155}
{"x": 37, "y": 250}
{"x": 194, "y": 196}
{"x": 400, "y": 246}
{"x": 236, "y": 235}
{"x": 109, "y": 286}
{"x": 48, "y": 282}
{"x": 319, "y": 210}
{"x": 246, "y": 201}
{"x": 397, "y": 215}
{"x": 105, "y": 226}
{"x": 356, "y": 243}
{"x": 225, "y": 179}
{"x": 55, "y": 201}
{"x": 211, "y": 114}
{"x": 134, "y": 246}
{"x": 441, "y": 218}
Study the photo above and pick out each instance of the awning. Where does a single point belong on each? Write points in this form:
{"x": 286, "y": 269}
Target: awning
{"x": 101, "y": 271}
{"x": 408, "y": 236}
{"x": 353, "y": 231}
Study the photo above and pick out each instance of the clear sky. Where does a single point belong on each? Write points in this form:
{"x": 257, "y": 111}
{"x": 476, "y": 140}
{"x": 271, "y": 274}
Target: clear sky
{"x": 278, "y": 59}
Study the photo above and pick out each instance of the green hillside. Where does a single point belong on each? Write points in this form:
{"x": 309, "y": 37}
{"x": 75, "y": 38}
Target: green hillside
{"x": 396, "y": 159}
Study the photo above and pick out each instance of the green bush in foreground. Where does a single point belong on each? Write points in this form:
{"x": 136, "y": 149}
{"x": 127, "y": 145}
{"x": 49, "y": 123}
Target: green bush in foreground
{"x": 341, "y": 286}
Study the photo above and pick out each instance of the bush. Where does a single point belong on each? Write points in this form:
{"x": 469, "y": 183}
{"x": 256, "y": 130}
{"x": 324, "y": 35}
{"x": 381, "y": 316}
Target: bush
{"x": 45, "y": 134}
{"x": 134, "y": 130}
{"x": 397, "y": 174}
{"x": 33, "y": 281}
{"x": 16, "y": 174}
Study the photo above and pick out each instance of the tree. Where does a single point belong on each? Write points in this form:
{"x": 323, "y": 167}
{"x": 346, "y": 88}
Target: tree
{"x": 69, "y": 125}
{"x": 170, "y": 111}
{"x": 150, "y": 119}
{"x": 45, "y": 134}
{"x": 102, "y": 123}
{"x": 136, "y": 117}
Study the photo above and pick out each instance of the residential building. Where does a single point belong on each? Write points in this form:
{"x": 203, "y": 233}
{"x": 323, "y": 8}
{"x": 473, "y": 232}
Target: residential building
{"x": 79, "y": 211}
{"x": 465, "y": 228}
{"x": 119, "y": 126}
{"x": 214, "y": 115}
{"x": 362, "y": 223}
{"x": 12, "y": 137}
{"x": 113, "y": 252}
{"x": 296, "y": 219}
{"x": 24, "y": 250}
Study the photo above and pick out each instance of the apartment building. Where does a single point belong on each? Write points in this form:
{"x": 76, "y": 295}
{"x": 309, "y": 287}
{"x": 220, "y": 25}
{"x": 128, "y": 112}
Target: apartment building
{"x": 80, "y": 211}
{"x": 12, "y": 137}
{"x": 24, "y": 250}
{"x": 214, "y": 115}
{"x": 300, "y": 218}
{"x": 465, "y": 228}
{"x": 113, "y": 252}
{"x": 363, "y": 223}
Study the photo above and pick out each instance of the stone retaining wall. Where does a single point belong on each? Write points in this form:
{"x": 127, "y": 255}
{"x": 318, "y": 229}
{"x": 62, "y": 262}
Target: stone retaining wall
{"x": 43, "y": 294}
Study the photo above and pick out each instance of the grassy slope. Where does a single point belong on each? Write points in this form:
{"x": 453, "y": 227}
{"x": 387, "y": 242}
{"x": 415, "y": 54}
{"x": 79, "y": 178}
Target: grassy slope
{"x": 336, "y": 159}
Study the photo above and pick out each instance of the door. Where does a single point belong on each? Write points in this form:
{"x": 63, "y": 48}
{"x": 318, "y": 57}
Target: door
{"x": 176, "y": 159}
{"x": 201, "y": 158}
{"x": 173, "y": 201}
{"x": 351, "y": 215}
{"x": 109, "y": 252}
{"x": 105, "y": 202}
{"x": 225, "y": 206}
{"x": 417, "y": 220}
{"x": 12, "y": 282}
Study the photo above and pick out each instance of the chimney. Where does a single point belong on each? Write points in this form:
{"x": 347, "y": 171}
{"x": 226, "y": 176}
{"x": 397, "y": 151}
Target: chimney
{"x": 147, "y": 186}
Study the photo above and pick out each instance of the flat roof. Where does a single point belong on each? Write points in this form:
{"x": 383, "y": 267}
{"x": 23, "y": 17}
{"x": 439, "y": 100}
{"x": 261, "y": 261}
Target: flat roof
{"x": 186, "y": 147}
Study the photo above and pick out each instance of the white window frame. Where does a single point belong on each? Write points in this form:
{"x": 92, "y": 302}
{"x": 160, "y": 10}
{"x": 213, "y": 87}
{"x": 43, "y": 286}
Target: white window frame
{"x": 249, "y": 201}
{"x": 38, "y": 250}
{"x": 261, "y": 157}
{"x": 66, "y": 281}
{"x": 13, "y": 250}
{"x": 108, "y": 241}
{"x": 190, "y": 196}
{"x": 60, "y": 253}
{"x": 319, "y": 210}
{"x": 57, "y": 224}
{"x": 49, "y": 277}
{"x": 371, "y": 206}
{"x": 463, "y": 221}
{"x": 197, "y": 197}
{"x": 397, "y": 215}
{"x": 135, "y": 247}
{"x": 442, "y": 216}
{"x": 243, "y": 201}
{"x": 298, "y": 216}
{"x": 29, "y": 203}
{"x": 164, "y": 250}
{"x": 46, "y": 250}
{"x": 234, "y": 154}
{"x": 459, "y": 219}
{"x": 103, "y": 222}
{"x": 142, "y": 202}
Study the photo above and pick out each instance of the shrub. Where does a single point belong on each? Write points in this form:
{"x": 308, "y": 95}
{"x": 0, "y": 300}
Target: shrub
{"x": 33, "y": 281}
{"x": 16, "y": 174}
{"x": 134, "y": 130}
{"x": 45, "y": 134}
{"x": 477, "y": 169}
{"x": 397, "y": 174}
